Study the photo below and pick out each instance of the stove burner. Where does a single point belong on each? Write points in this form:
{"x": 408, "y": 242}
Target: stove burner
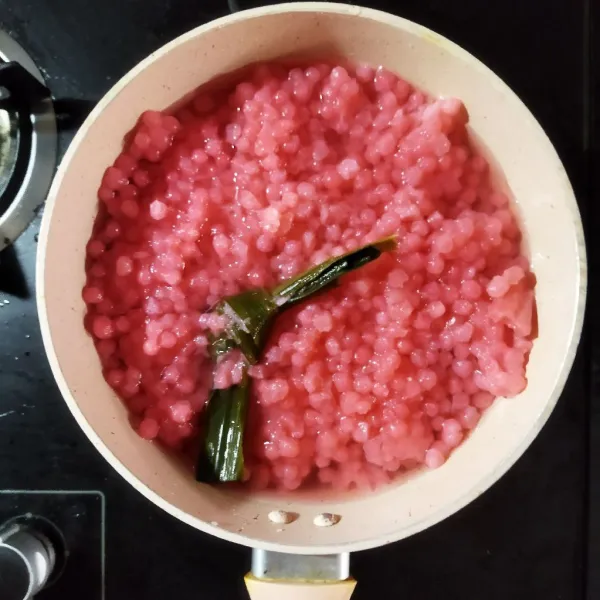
{"x": 28, "y": 140}
{"x": 8, "y": 150}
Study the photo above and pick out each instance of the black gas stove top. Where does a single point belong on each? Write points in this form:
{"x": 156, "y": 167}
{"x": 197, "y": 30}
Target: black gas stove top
{"x": 531, "y": 536}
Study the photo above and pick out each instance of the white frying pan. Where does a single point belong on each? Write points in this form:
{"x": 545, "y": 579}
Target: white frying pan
{"x": 554, "y": 238}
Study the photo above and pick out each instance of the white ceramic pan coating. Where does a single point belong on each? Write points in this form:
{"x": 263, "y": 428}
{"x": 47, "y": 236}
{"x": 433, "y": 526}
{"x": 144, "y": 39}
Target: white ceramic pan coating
{"x": 544, "y": 201}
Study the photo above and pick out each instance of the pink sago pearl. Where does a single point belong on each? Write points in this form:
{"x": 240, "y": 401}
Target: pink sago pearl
{"x": 252, "y": 184}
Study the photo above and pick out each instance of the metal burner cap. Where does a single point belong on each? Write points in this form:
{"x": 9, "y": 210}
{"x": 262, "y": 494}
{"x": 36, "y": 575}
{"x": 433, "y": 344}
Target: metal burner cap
{"x": 28, "y": 140}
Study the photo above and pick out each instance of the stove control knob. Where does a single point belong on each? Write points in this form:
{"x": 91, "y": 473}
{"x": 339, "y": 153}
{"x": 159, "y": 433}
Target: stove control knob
{"x": 27, "y": 560}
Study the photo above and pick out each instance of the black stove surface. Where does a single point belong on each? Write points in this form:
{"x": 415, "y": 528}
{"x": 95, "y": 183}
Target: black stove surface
{"x": 526, "y": 538}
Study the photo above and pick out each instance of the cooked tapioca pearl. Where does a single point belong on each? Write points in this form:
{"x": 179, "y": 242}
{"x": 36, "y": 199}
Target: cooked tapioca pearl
{"x": 150, "y": 347}
{"x": 437, "y": 422}
{"x": 126, "y": 164}
{"x": 122, "y": 324}
{"x": 130, "y": 208}
{"x": 151, "y": 118}
{"x": 112, "y": 230}
{"x": 97, "y": 270}
{"x": 462, "y": 307}
{"x": 381, "y": 390}
{"x": 482, "y": 400}
{"x": 95, "y": 248}
{"x": 471, "y": 290}
{"x": 140, "y": 178}
{"x": 148, "y": 429}
{"x": 463, "y": 368}
{"x": 158, "y": 210}
{"x": 427, "y": 379}
{"x": 469, "y": 417}
{"x": 436, "y": 309}
{"x": 323, "y": 322}
{"x": 431, "y": 409}
{"x": 434, "y": 458}
{"x": 460, "y": 401}
{"x": 114, "y": 178}
{"x": 181, "y": 412}
{"x": 348, "y": 168}
{"x": 103, "y": 327}
{"x": 141, "y": 142}
{"x": 221, "y": 245}
{"x": 124, "y": 266}
{"x": 115, "y": 377}
{"x": 498, "y": 286}
{"x": 167, "y": 339}
{"x": 92, "y": 295}
{"x": 106, "y": 348}
{"x": 451, "y": 432}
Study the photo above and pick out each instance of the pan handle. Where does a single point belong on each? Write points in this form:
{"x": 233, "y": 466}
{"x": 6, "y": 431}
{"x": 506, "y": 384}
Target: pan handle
{"x": 278, "y": 575}
{"x": 273, "y": 589}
